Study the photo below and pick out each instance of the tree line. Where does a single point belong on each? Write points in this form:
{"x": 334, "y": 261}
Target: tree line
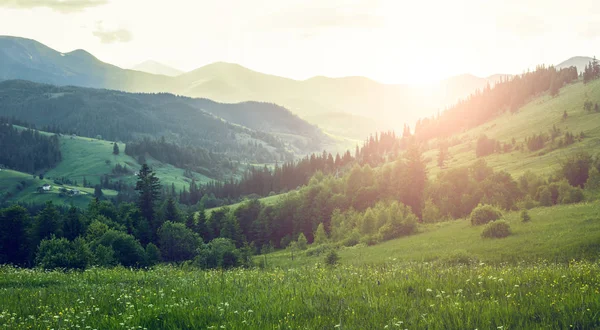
{"x": 27, "y": 150}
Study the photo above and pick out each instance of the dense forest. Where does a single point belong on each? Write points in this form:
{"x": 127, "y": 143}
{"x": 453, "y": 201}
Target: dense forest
{"x": 365, "y": 205}
{"x": 27, "y": 150}
{"x": 294, "y": 174}
{"x": 506, "y": 95}
{"x": 186, "y": 122}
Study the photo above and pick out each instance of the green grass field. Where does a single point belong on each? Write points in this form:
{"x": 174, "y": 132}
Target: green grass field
{"x": 538, "y": 116}
{"x": 557, "y": 233}
{"x": 22, "y": 187}
{"x": 394, "y": 295}
{"x": 87, "y": 158}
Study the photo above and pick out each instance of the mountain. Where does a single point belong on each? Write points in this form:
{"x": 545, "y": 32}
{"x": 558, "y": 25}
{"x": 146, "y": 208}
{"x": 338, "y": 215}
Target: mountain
{"x": 154, "y": 67}
{"x": 230, "y": 130}
{"x": 580, "y": 62}
{"x": 321, "y": 100}
{"x": 28, "y": 59}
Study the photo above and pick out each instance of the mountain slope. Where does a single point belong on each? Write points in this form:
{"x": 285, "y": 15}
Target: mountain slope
{"x": 125, "y": 116}
{"x": 154, "y": 67}
{"x": 28, "y": 59}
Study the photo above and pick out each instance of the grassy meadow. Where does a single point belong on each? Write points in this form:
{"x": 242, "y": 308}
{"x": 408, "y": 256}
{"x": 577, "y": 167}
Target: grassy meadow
{"x": 393, "y": 295}
{"x": 537, "y": 116}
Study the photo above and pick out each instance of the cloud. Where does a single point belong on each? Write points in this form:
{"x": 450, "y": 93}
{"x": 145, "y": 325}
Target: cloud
{"x": 63, "y": 6}
{"x": 112, "y": 36}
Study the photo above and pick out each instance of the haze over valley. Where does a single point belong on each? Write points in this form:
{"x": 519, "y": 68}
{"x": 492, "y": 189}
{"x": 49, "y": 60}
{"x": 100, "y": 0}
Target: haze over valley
{"x": 299, "y": 164}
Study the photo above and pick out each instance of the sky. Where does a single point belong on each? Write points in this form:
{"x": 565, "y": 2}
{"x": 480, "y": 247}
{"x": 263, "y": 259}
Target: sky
{"x": 392, "y": 41}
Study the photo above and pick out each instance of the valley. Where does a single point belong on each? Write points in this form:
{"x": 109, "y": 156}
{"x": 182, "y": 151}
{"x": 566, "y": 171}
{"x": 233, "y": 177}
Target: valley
{"x": 306, "y": 165}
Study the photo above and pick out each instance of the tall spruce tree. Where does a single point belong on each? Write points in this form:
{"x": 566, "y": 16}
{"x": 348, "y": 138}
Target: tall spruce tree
{"x": 148, "y": 187}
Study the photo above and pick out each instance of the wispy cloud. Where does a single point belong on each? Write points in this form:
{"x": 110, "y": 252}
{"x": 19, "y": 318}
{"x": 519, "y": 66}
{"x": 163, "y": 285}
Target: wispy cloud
{"x": 112, "y": 36}
{"x": 63, "y": 6}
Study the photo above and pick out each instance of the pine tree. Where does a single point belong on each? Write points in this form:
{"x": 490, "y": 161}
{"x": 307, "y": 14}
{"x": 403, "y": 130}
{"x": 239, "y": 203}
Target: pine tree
{"x": 115, "y": 148}
{"x": 320, "y": 235}
{"x": 148, "y": 187}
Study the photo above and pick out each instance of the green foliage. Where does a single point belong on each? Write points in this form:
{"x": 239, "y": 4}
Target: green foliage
{"x": 545, "y": 196}
{"x": 496, "y": 229}
{"x": 220, "y": 252}
{"x": 431, "y": 213}
{"x": 525, "y": 217}
{"x": 61, "y": 253}
{"x": 320, "y": 236}
{"x": 177, "y": 243}
{"x": 14, "y": 247}
{"x": 302, "y": 242}
{"x": 153, "y": 256}
{"x": 127, "y": 251}
{"x": 576, "y": 169}
{"x": 483, "y": 214}
{"x": 332, "y": 258}
{"x": 593, "y": 181}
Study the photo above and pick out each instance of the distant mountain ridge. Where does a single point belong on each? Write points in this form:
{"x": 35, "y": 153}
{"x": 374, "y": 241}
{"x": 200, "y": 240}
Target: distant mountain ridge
{"x": 227, "y": 129}
{"x": 580, "y": 62}
{"x": 154, "y": 67}
{"x": 316, "y": 99}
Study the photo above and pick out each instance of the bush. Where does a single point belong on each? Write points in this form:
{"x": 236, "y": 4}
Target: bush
{"x": 370, "y": 240}
{"x": 332, "y": 258}
{"x": 127, "y": 251}
{"x": 177, "y": 242}
{"x": 525, "y": 216}
{"x": 220, "y": 252}
{"x": 496, "y": 229}
{"x": 61, "y": 253}
{"x": 152, "y": 254}
{"x": 318, "y": 250}
{"x": 352, "y": 239}
{"x": 302, "y": 242}
{"x": 483, "y": 214}
{"x": 545, "y": 196}
{"x": 593, "y": 181}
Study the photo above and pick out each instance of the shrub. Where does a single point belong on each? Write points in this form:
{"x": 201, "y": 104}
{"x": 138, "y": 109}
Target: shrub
{"x": 332, "y": 258}
{"x": 544, "y": 196}
{"x": 127, "y": 251}
{"x": 177, "y": 242}
{"x": 593, "y": 181}
{"x": 370, "y": 240}
{"x": 152, "y": 254}
{"x": 302, "y": 242}
{"x": 220, "y": 252}
{"x": 525, "y": 216}
{"x": 431, "y": 213}
{"x": 352, "y": 239}
{"x": 61, "y": 253}
{"x": 318, "y": 250}
{"x": 496, "y": 229}
{"x": 483, "y": 214}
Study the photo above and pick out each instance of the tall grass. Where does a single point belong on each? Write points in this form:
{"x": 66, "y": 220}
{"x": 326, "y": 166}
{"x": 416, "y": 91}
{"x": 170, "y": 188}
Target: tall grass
{"x": 390, "y": 295}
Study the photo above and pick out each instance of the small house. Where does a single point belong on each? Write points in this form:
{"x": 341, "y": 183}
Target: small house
{"x": 46, "y": 187}
{"x": 75, "y": 192}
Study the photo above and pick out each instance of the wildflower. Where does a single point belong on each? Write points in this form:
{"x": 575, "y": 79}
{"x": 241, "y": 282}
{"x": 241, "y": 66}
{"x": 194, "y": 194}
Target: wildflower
{"x": 429, "y": 290}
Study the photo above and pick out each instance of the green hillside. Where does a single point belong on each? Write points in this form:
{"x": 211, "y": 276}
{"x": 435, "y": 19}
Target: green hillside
{"x": 91, "y": 159}
{"x": 21, "y": 187}
{"x": 537, "y": 116}
{"x": 558, "y": 233}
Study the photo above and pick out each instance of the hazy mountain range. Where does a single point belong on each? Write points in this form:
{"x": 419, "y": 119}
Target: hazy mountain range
{"x": 157, "y": 68}
{"x": 350, "y": 106}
